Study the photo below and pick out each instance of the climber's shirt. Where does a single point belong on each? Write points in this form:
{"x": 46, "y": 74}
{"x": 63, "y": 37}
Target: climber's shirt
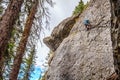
{"x": 86, "y": 22}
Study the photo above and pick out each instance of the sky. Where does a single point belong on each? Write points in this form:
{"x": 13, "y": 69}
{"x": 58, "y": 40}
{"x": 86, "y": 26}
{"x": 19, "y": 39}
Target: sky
{"x": 36, "y": 74}
{"x": 61, "y": 10}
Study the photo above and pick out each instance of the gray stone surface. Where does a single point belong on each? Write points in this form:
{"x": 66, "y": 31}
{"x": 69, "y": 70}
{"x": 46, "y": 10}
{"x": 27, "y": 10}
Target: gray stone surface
{"x": 85, "y": 55}
{"x": 60, "y": 32}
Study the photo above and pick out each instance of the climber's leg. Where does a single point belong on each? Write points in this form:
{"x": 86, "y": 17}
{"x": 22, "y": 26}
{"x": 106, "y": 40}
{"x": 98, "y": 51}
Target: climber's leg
{"x": 87, "y": 27}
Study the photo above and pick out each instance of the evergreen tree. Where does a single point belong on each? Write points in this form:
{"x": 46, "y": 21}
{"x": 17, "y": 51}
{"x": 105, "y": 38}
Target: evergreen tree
{"x": 79, "y": 8}
{"x": 29, "y": 67}
{"x": 6, "y": 26}
{"x": 8, "y": 44}
{"x": 22, "y": 46}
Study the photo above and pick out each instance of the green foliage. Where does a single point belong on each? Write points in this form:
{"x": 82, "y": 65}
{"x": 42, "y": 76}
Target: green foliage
{"x": 1, "y": 10}
{"x": 9, "y": 56}
{"x": 16, "y": 35}
{"x": 27, "y": 66}
{"x": 80, "y": 7}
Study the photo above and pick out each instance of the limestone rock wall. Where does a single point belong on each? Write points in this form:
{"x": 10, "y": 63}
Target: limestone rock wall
{"x": 60, "y": 32}
{"x": 85, "y": 55}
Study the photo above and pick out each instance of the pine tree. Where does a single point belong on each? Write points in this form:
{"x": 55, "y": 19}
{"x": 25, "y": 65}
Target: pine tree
{"x": 6, "y": 26}
{"x": 29, "y": 67}
{"x": 79, "y": 8}
{"x": 23, "y": 42}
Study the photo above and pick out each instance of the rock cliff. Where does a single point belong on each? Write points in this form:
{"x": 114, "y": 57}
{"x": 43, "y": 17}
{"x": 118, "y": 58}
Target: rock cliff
{"x": 81, "y": 54}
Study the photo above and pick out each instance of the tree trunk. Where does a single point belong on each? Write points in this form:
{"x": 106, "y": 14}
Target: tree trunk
{"x": 0, "y": 1}
{"x": 23, "y": 42}
{"x": 6, "y": 26}
{"x": 115, "y": 34}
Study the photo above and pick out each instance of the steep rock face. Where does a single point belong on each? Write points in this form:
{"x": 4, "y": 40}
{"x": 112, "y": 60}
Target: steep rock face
{"x": 60, "y": 32}
{"x": 85, "y": 55}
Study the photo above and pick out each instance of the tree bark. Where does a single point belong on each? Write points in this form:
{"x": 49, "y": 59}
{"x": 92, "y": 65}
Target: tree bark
{"x": 115, "y": 34}
{"x": 0, "y": 1}
{"x": 23, "y": 42}
{"x": 6, "y": 26}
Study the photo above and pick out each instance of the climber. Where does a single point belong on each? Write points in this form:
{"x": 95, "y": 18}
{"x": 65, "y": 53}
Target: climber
{"x": 87, "y": 24}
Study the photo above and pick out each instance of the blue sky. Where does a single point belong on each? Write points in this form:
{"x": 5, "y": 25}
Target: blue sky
{"x": 36, "y": 74}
